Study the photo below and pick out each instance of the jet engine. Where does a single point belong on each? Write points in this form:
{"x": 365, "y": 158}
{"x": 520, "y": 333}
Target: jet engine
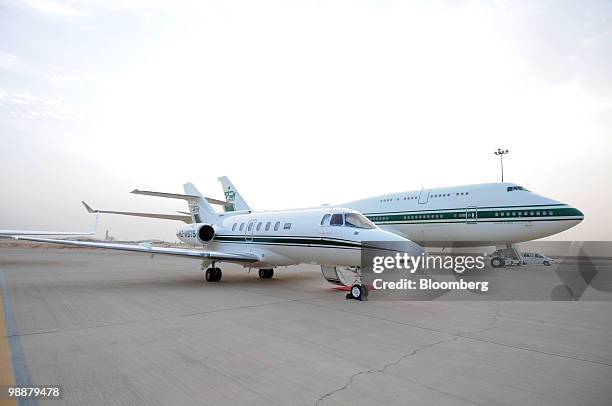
{"x": 196, "y": 234}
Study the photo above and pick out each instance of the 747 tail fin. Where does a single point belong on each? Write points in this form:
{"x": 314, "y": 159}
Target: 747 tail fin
{"x": 235, "y": 200}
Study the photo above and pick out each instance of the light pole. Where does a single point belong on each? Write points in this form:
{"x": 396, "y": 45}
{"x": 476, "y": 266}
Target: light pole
{"x": 501, "y": 153}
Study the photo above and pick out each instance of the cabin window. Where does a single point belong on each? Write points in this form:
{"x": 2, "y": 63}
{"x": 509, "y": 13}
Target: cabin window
{"x": 276, "y": 226}
{"x": 550, "y": 213}
{"x": 286, "y": 226}
{"x": 336, "y": 220}
{"x": 268, "y": 224}
{"x": 234, "y": 226}
{"x": 259, "y": 226}
{"x": 241, "y": 227}
{"x": 325, "y": 220}
{"x": 250, "y": 227}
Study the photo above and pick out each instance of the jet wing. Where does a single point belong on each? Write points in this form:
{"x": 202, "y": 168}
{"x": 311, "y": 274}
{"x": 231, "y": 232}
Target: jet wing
{"x": 8, "y": 233}
{"x": 240, "y": 258}
{"x": 178, "y": 217}
{"x": 11, "y": 233}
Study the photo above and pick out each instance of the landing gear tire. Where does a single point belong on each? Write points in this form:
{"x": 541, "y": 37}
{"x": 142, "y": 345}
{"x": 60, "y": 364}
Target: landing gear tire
{"x": 497, "y": 263}
{"x": 266, "y": 273}
{"x": 213, "y": 275}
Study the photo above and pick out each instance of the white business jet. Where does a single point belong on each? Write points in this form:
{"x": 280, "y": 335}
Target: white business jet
{"x": 329, "y": 237}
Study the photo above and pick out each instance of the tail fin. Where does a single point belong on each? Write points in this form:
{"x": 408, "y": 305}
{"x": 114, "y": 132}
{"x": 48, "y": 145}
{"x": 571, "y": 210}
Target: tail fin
{"x": 232, "y": 196}
{"x": 201, "y": 211}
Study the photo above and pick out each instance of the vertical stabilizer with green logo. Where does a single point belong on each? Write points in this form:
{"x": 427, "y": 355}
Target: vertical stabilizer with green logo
{"x": 234, "y": 199}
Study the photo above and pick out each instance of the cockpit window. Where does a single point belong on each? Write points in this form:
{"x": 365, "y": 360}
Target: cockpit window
{"x": 513, "y": 188}
{"x": 358, "y": 220}
{"x": 336, "y": 220}
{"x": 325, "y": 220}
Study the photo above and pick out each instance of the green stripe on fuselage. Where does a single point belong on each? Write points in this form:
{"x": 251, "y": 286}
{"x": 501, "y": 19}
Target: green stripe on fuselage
{"x": 500, "y": 214}
{"x": 293, "y": 241}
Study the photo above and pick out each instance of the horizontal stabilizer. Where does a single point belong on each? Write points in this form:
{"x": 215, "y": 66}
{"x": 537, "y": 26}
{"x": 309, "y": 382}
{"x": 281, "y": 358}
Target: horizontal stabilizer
{"x": 166, "y": 195}
{"x": 216, "y": 201}
{"x": 189, "y": 198}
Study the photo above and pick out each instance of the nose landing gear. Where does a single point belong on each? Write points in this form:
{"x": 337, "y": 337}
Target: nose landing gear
{"x": 359, "y": 291}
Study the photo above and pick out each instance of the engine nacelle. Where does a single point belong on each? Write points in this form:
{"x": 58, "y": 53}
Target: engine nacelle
{"x": 196, "y": 234}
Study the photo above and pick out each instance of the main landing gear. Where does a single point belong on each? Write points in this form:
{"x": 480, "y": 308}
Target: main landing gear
{"x": 266, "y": 273}
{"x": 213, "y": 274}
{"x": 359, "y": 291}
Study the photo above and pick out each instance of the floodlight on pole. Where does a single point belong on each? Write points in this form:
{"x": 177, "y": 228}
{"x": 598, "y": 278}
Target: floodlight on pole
{"x": 501, "y": 153}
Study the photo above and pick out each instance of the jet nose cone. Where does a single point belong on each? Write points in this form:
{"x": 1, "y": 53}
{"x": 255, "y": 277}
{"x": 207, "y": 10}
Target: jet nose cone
{"x": 400, "y": 244}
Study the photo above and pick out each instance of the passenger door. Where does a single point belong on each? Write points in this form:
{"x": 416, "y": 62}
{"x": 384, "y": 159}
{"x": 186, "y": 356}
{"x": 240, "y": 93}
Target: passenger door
{"x": 471, "y": 215}
{"x": 424, "y": 196}
{"x": 249, "y": 229}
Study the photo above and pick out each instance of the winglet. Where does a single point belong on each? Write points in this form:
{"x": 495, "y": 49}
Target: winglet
{"x": 88, "y": 208}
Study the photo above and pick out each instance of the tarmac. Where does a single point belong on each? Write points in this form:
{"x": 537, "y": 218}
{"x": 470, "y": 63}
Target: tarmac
{"x": 117, "y": 328}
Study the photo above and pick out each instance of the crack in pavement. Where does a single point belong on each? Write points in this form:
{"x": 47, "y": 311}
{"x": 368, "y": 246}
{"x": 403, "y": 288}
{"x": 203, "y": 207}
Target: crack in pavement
{"x": 381, "y": 370}
{"x": 462, "y": 334}
{"x": 491, "y": 326}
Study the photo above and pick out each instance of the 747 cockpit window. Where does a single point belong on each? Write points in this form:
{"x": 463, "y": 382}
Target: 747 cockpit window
{"x": 357, "y": 220}
{"x": 513, "y": 188}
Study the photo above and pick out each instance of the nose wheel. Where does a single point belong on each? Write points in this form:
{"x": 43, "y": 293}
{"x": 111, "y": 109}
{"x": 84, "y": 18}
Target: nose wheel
{"x": 266, "y": 273}
{"x": 213, "y": 275}
{"x": 359, "y": 291}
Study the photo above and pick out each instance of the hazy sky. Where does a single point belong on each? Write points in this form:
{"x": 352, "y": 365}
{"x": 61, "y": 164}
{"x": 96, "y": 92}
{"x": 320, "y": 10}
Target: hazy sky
{"x": 300, "y": 103}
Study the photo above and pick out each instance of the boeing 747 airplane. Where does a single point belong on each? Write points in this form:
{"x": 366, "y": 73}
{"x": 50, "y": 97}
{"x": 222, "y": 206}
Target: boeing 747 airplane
{"x": 488, "y": 214}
